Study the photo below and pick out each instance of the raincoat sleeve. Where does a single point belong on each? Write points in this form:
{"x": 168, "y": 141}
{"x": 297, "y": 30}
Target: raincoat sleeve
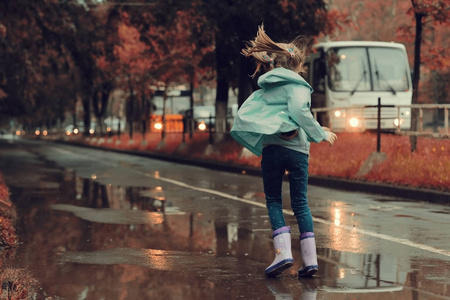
{"x": 299, "y": 105}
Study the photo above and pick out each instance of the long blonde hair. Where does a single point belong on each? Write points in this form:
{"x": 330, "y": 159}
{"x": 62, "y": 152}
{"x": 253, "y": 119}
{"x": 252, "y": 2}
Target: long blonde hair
{"x": 269, "y": 54}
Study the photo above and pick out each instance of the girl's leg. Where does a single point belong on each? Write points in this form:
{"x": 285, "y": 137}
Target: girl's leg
{"x": 272, "y": 172}
{"x": 298, "y": 185}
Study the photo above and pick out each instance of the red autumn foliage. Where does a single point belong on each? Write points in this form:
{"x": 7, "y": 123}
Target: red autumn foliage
{"x": 15, "y": 283}
{"x": 18, "y": 284}
{"x": 8, "y": 236}
{"x": 427, "y": 167}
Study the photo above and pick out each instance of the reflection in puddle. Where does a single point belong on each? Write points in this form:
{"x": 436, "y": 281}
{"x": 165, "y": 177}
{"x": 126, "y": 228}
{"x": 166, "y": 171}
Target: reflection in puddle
{"x": 100, "y": 241}
{"x": 161, "y": 260}
{"x": 114, "y": 216}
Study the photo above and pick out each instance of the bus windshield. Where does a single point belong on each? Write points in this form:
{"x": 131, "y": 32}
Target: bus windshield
{"x": 353, "y": 69}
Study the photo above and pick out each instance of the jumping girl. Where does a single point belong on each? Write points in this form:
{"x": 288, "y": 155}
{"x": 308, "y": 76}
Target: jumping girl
{"x": 276, "y": 122}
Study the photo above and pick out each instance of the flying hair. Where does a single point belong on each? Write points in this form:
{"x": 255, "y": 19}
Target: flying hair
{"x": 269, "y": 54}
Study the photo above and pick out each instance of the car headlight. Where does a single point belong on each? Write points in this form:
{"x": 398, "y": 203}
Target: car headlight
{"x": 354, "y": 122}
{"x": 397, "y": 122}
{"x": 202, "y": 126}
{"x": 157, "y": 126}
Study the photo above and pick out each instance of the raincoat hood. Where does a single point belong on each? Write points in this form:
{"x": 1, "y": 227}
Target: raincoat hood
{"x": 279, "y": 77}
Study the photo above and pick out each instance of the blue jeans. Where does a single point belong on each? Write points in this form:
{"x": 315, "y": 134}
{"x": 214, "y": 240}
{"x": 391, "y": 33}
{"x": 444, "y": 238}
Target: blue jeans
{"x": 275, "y": 161}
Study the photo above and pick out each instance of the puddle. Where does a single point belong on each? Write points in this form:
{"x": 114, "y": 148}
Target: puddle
{"x": 86, "y": 240}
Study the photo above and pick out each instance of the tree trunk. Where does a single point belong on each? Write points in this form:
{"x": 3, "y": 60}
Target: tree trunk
{"x": 130, "y": 109}
{"x": 245, "y": 81}
{"x": 416, "y": 76}
{"x": 87, "y": 113}
{"x": 190, "y": 122}
{"x": 223, "y": 84}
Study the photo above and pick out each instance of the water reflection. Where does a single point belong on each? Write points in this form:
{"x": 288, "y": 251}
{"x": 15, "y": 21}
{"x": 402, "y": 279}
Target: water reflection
{"x": 95, "y": 241}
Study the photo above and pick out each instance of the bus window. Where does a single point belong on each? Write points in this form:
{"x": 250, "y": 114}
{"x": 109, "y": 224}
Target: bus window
{"x": 348, "y": 69}
{"x": 389, "y": 71}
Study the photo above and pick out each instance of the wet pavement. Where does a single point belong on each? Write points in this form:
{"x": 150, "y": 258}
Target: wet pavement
{"x": 102, "y": 225}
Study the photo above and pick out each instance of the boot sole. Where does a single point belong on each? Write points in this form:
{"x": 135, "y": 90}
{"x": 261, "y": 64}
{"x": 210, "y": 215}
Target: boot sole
{"x": 278, "y": 269}
{"x": 308, "y": 271}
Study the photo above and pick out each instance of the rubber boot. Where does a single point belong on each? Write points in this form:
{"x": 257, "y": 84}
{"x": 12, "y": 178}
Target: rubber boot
{"x": 309, "y": 255}
{"x": 283, "y": 253}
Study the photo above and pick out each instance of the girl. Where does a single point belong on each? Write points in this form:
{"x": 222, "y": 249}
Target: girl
{"x": 276, "y": 122}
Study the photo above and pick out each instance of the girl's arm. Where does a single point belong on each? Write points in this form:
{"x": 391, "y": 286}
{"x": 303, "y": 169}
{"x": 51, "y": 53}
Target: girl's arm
{"x": 299, "y": 105}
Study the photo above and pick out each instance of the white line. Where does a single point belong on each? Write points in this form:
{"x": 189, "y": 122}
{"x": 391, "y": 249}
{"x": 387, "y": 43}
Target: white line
{"x": 290, "y": 212}
{"x": 318, "y": 220}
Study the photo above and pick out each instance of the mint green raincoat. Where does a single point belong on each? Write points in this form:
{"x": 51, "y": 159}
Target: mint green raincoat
{"x": 281, "y": 105}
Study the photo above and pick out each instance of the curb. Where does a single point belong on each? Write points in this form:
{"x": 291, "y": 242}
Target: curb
{"x": 416, "y": 194}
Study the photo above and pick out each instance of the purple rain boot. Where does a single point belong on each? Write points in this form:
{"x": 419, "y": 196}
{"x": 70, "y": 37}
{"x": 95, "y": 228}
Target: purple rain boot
{"x": 283, "y": 253}
{"x": 309, "y": 255}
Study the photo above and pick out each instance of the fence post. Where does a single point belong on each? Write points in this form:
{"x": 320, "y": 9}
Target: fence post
{"x": 210, "y": 130}
{"x": 163, "y": 129}
{"x": 446, "y": 120}
{"x": 184, "y": 120}
{"x": 420, "y": 120}
{"x": 379, "y": 125}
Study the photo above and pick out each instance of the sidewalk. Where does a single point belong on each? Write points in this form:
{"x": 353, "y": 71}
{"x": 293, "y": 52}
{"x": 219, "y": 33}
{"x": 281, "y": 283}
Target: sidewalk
{"x": 414, "y": 194}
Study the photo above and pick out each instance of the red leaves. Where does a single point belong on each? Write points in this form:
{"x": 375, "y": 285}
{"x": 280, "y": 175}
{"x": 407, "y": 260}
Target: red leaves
{"x": 427, "y": 167}
{"x": 8, "y": 236}
{"x": 17, "y": 284}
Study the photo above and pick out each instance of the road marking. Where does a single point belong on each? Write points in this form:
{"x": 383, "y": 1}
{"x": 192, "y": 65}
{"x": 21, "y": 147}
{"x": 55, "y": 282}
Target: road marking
{"x": 318, "y": 220}
{"x": 290, "y": 212}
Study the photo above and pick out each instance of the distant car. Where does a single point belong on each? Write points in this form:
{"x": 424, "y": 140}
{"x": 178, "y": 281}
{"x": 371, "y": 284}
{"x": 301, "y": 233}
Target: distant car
{"x": 38, "y": 131}
{"x": 204, "y": 117}
{"x": 72, "y": 129}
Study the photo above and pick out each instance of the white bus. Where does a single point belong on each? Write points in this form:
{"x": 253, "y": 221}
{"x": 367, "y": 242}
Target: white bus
{"x": 348, "y": 76}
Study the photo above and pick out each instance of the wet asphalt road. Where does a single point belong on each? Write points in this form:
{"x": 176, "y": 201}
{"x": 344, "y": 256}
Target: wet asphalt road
{"x": 101, "y": 225}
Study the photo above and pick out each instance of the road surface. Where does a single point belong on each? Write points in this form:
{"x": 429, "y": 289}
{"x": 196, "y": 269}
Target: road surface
{"x": 102, "y": 225}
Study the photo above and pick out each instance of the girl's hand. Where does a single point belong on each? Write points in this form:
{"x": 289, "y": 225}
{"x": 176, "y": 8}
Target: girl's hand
{"x": 326, "y": 128}
{"x": 331, "y": 137}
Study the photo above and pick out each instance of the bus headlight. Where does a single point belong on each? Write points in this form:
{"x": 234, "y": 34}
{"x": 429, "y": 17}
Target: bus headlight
{"x": 397, "y": 122}
{"x": 202, "y": 126}
{"x": 354, "y": 122}
{"x": 337, "y": 114}
{"x": 157, "y": 126}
